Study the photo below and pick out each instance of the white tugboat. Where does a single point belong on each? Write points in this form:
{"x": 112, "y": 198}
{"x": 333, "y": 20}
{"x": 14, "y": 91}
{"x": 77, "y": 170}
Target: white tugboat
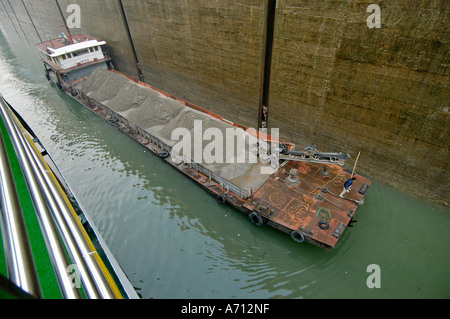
{"x": 70, "y": 59}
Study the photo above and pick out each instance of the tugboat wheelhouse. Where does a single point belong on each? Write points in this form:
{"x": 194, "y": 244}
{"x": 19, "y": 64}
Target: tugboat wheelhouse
{"x": 68, "y": 60}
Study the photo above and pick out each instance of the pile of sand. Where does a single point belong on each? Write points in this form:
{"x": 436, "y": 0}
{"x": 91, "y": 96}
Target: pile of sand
{"x": 197, "y": 123}
{"x": 103, "y": 85}
{"x": 130, "y": 96}
{"x": 160, "y": 116}
{"x": 156, "y": 110}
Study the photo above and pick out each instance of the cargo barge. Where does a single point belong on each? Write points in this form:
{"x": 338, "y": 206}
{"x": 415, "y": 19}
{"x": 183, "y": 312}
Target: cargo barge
{"x": 298, "y": 192}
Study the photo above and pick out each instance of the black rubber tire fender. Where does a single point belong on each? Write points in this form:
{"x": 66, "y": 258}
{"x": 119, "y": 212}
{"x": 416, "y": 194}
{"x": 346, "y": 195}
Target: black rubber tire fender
{"x": 221, "y": 199}
{"x": 297, "y": 236}
{"x": 164, "y": 154}
{"x": 256, "y": 219}
{"x": 323, "y": 224}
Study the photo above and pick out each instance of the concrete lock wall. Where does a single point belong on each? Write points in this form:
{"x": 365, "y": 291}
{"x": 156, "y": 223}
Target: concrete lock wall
{"x": 382, "y": 91}
{"x": 333, "y": 81}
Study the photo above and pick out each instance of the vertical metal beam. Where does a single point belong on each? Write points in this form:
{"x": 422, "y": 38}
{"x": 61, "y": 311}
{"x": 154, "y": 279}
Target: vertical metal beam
{"x": 267, "y": 61}
{"x": 130, "y": 39}
{"x": 18, "y": 22}
{"x": 31, "y": 19}
{"x": 7, "y": 13}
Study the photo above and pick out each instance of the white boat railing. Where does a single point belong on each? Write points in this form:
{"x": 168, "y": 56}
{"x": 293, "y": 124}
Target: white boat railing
{"x": 58, "y": 225}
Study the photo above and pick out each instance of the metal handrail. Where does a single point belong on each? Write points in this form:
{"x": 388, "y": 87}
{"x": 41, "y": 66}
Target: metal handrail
{"x": 50, "y": 233}
{"x": 18, "y": 255}
{"x": 91, "y": 276}
{"x": 57, "y": 220}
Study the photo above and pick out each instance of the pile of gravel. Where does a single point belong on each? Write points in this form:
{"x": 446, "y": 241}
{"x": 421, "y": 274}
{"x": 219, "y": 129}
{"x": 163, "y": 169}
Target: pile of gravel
{"x": 160, "y": 116}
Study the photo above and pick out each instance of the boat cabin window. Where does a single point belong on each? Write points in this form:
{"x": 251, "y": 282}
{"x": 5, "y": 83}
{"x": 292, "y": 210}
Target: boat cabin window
{"x": 81, "y": 52}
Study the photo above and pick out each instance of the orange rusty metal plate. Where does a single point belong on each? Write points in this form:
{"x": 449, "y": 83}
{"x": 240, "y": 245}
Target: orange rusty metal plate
{"x": 301, "y": 205}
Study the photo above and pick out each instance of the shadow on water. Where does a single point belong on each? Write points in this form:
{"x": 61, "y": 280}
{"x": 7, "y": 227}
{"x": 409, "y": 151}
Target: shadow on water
{"x": 175, "y": 241}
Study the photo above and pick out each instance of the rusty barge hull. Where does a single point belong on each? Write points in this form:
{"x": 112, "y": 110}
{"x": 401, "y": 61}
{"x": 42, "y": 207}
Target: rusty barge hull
{"x": 308, "y": 208}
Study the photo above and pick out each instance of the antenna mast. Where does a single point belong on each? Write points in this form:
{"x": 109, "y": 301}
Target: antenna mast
{"x": 69, "y": 35}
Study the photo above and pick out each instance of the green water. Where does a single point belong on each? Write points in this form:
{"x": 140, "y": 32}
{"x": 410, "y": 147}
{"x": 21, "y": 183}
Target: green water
{"x": 174, "y": 240}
